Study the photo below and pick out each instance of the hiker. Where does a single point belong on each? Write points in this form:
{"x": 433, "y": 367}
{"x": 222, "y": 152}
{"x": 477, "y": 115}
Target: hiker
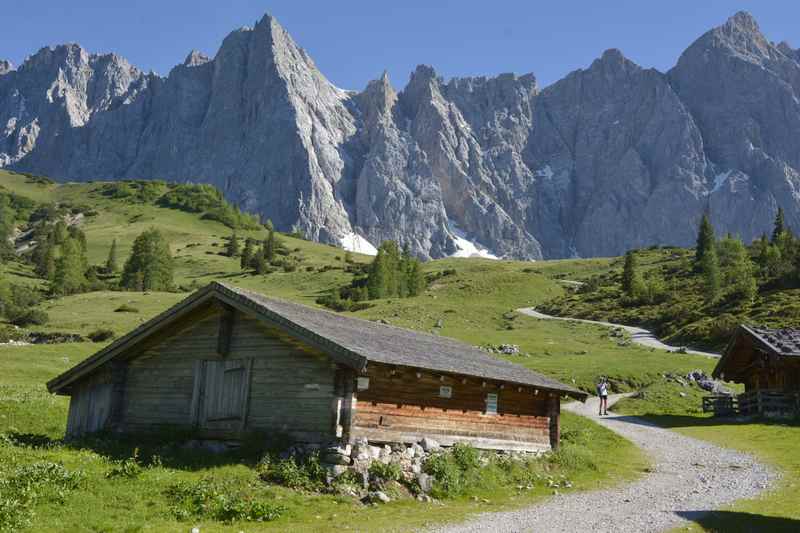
{"x": 602, "y": 392}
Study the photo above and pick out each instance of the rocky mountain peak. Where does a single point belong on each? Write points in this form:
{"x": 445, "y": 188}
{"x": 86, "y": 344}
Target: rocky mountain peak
{"x": 741, "y": 22}
{"x": 377, "y": 100}
{"x": 5, "y": 66}
{"x": 195, "y": 59}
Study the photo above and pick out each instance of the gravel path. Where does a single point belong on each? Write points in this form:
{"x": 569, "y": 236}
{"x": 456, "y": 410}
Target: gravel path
{"x": 688, "y": 477}
{"x": 638, "y": 335}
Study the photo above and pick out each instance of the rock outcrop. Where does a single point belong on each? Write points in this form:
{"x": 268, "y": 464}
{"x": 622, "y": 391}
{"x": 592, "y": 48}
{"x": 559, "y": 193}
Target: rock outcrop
{"x": 611, "y": 157}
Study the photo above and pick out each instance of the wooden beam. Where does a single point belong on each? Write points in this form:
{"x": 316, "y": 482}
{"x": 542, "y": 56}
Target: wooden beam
{"x": 225, "y": 330}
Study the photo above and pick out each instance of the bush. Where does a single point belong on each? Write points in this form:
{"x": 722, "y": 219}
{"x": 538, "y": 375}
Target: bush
{"x": 466, "y": 456}
{"x": 101, "y": 335}
{"x": 29, "y": 317}
{"x": 125, "y": 308}
{"x": 385, "y": 471}
{"x": 127, "y": 468}
{"x": 448, "y": 476}
{"x": 308, "y": 474}
{"x": 223, "y": 502}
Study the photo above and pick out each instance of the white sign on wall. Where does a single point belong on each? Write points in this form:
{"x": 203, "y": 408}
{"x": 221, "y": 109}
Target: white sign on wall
{"x": 445, "y": 392}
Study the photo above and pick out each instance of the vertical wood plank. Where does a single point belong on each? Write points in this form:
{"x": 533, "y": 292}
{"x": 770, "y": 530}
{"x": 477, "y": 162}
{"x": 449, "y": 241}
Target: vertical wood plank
{"x": 197, "y": 393}
{"x": 246, "y": 392}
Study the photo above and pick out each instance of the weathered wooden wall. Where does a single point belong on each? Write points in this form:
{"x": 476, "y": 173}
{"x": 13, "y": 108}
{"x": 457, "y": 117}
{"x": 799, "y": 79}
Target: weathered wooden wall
{"x": 291, "y": 389}
{"x": 90, "y": 405}
{"x": 399, "y": 406}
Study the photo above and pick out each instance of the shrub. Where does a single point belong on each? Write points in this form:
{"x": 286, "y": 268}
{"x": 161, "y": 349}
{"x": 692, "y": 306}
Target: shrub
{"x": 127, "y": 468}
{"x": 385, "y": 471}
{"x": 308, "y": 474}
{"x": 222, "y": 502}
{"x": 466, "y": 456}
{"x": 125, "y": 308}
{"x": 101, "y": 335}
{"x": 28, "y": 317}
{"x": 448, "y": 476}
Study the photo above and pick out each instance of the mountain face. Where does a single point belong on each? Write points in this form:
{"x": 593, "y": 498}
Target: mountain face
{"x": 609, "y": 158}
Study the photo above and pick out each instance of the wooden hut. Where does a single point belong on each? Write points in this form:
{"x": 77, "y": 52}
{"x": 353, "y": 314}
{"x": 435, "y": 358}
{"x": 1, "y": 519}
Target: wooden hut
{"x": 226, "y": 361}
{"x": 767, "y": 362}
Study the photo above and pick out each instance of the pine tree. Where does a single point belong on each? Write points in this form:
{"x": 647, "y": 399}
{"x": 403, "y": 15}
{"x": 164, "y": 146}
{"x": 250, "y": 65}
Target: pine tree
{"x": 60, "y": 232}
{"x": 260, "y": 263}
{"x": 631, "y": 278}
{"x": 779, "y": 227}
{"x": 232, "y": 248}
{"x": 738, "y": 271}
{"x": 150, "y": 265}
{"x": 112, "y": 263}
{"x": 711, "y": 275}
{"x": 6, "y": 227}
{"x": 378, "y": 273}
{"x": 269, "y": 245}
{"x": 247, "y": 254}
{"x": 70, "y": 276}
{"x": 416, "y": 281}
{"x": 49, "y": 264}
{"x": 705, "y": 240}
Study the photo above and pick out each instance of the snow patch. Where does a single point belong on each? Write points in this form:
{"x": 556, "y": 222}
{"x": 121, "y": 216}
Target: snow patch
{"x": 466, "y": 247}
{"x": 353, "y": 242}
{"x": 720, "y": 180}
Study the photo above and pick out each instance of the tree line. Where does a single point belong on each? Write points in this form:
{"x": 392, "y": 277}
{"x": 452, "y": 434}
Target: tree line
{"x": 729, "y": 269}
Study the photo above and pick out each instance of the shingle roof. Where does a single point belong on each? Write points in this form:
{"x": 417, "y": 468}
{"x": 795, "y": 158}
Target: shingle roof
{"x": 783, "y": 341}
{"x": 355, "y": 341}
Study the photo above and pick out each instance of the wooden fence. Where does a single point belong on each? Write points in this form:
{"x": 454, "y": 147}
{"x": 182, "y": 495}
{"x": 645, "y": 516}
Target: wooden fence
{"x": 767, "y": 403}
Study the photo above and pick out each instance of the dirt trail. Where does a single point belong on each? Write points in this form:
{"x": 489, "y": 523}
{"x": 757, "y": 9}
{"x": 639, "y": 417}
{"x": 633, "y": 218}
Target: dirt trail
{"x": 687, "y": 478}
{"x": 638, "y": 335}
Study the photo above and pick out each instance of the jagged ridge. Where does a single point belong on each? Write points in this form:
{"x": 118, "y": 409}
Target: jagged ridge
{"x": 610, "y": 157}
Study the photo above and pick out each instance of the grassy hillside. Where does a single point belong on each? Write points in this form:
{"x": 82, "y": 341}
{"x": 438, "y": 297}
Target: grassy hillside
{"x": 683, "y": 316}
{"x": 472, "y": 300}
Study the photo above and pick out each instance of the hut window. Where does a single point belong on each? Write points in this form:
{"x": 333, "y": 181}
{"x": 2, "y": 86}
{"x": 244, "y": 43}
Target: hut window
{"x": 363, "y": 383}
{"x": 491, "y": 403}
{"x": 445, "y": 392}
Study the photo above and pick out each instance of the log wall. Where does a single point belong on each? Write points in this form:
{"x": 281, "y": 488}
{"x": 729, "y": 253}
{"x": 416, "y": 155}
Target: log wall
{"x": 399, "y": 406}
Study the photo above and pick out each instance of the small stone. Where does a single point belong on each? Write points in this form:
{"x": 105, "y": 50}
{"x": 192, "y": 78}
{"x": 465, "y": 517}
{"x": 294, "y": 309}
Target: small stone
{"x": 425, "y": 482}
{"x": 429, "y": 445}
{"x": 378, "y": 496}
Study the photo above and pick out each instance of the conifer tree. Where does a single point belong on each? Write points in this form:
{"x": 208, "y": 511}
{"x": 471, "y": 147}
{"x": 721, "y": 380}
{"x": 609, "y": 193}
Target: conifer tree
{"x": 705, "y": 240}
{"x": 6, "y": 227}
{"x": 779, "y": 226}
{"x": 737, "y": 269}
{"x": 150, "y": 265}
{"x": 112, "y": 263}
{"x": 631, "y": 279}
{"x": 49, "y": 263}
{"x": 70, "y": 276}
{"x": 416, "y": 281}
{"x": 269, "y": 245}
{"x": 711, "y": 275}
{"x": 260, "y": 263}
{"x": 247, "y": 254}
{"x": 232, "y": 249}
{"x": 377, "y": 277}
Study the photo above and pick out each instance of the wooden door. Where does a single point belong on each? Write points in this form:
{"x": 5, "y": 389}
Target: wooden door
{"x": 221, "y": 393}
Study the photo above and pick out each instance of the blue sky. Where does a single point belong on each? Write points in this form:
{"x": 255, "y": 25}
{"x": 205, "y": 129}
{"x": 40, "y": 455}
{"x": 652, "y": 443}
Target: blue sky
{"x": 354, "y": 41}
